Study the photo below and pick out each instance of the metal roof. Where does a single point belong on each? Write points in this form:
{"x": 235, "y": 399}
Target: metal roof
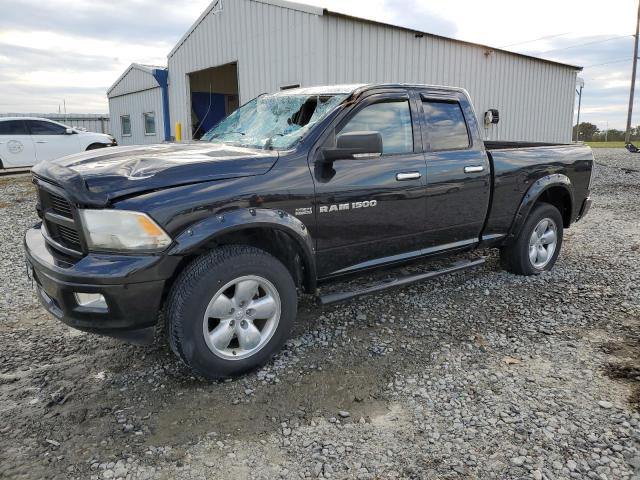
{"x": 323, "y": 11}
{"x": 138, "y": 66}
{"x": 323, "y": 90}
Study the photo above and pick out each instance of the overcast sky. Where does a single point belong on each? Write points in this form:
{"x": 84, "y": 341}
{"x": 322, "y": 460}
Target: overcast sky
{"x": 74, "y": 49}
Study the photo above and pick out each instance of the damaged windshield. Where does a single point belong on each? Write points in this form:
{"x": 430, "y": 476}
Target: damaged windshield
{"x": 275, "y": 122}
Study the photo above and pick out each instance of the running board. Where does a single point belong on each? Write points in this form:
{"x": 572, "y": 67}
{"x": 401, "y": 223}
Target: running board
{"x": 398, "y": 282}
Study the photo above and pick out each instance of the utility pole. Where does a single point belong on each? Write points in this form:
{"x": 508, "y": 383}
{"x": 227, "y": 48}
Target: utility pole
{"x": 580, "y": 83}
{"x": 627, "y": 138}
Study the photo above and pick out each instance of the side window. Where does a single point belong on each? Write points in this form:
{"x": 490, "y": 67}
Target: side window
{"x": 391, "y": 119}
{"x": 125, "y": 125}
{"x": 13, "y": 127}
{"x": 149, "y": 123}
{"x": 446, "y": 125}
{"x": 38, "y": 127}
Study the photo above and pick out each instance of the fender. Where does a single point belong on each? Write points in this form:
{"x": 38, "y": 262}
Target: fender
{"x": 534, "y": 193}
{"x": 222, "y": 223}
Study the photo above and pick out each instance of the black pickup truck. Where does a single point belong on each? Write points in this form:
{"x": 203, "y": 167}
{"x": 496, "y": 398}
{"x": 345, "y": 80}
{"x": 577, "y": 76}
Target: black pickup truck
{"x": 290, "y": 191}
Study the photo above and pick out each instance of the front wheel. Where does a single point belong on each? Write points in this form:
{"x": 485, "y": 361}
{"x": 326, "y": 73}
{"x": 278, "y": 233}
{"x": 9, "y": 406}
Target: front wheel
{"x": 538, "y": 245}
{"x": 230, "y": 311}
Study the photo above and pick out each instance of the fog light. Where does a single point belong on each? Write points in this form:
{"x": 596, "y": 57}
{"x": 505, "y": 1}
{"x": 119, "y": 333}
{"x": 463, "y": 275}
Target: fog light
{"x": 91, "y": 300}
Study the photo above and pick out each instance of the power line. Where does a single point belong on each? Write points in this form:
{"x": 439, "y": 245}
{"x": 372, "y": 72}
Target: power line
{"x": 584, "y": 44}
{"x": 609, "y": 63}
{"x": 535, "y": 40}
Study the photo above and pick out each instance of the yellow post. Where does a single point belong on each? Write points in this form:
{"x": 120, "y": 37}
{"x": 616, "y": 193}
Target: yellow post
{"x": 178, "y": 132}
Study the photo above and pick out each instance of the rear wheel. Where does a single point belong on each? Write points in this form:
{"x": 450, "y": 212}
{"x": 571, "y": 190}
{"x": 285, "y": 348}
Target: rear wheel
{"x": 230, "y": 311}
{"x": 538, "y": 245}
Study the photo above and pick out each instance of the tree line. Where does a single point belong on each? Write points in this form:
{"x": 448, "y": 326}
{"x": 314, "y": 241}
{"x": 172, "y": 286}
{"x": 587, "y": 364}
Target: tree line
{"x": 591, "y": 133}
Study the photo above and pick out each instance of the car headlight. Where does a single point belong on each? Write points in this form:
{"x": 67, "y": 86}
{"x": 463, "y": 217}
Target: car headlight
{"x": 122, "y": 230}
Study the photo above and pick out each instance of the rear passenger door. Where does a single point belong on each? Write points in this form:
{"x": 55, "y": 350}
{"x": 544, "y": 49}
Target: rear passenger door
{"x": 16, "y": 147}
{"x": 370, "y": 210}
{"x": 458, "y": 171}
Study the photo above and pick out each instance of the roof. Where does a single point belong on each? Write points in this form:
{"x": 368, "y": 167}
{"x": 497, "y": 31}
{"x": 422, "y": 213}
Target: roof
{"x": 299, "y": 7}
{"x": 6, "y": 119}
{"x": 42, "y": 119}
{"x": 138, "y": 66}
{"x": 323, "y": 11}
{"x": 322, "y": 90}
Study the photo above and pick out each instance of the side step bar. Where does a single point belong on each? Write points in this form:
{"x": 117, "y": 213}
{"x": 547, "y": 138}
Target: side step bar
{"x": 398, "y": 282}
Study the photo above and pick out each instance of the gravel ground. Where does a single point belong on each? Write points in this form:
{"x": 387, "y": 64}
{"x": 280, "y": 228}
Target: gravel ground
{"x": 478, "y": 375}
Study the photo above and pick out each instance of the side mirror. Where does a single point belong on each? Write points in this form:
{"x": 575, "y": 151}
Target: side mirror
{"x": 354, "y": 145}
{"x": 491, "y": 117}
{"x": 69, "y": 131}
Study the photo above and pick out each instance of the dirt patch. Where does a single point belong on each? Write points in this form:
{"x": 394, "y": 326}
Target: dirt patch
{"x": 316, "y": 393}
{"x": 625, "y": 365}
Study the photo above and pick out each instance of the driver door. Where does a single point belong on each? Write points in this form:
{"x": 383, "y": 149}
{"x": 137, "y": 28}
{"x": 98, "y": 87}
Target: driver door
{"x": 51, "y": 140}
{"x": 370, "y": 211}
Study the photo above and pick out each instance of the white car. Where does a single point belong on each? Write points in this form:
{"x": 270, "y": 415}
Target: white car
{"x": 25, "y": 141}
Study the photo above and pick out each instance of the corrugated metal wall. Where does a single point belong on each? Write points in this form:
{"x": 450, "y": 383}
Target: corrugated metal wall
{"x": 275, "y": 45}
{"x": 535, "y": 98}
{"x": 93, "y": 122}
{"x": 135, "y": 105}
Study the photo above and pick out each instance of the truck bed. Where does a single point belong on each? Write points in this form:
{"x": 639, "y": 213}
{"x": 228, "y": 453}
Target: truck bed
{"x": 516, "y": 165}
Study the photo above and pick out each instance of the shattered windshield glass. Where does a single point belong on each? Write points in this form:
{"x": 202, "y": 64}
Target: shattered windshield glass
{"x": 273, "y": 122}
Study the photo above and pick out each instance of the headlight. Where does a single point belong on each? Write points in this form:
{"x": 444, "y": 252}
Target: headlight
{"x": 122, "y": 230}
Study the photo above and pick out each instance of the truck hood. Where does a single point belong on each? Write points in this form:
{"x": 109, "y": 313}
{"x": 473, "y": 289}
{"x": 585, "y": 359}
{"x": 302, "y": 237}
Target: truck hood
{"x": 99, "y": 176}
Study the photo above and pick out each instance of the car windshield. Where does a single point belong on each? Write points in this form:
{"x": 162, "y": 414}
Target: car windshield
{"x": 274, "y": 122}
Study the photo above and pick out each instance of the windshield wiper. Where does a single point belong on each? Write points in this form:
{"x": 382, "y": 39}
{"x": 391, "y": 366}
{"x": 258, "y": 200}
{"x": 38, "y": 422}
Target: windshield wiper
{"x": 269, "y": 143}
{"x": 221, "y": 134}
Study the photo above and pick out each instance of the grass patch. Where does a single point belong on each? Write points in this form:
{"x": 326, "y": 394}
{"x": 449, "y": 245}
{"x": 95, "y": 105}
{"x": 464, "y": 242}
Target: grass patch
{"x": 606, "y": 144}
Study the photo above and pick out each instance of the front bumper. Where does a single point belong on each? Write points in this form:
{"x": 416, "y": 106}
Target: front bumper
{"x": 132, "y": 286}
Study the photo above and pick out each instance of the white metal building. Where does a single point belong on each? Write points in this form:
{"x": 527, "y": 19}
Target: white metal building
{"x": 239, "y": 49}
{"x": 137, "y": 105}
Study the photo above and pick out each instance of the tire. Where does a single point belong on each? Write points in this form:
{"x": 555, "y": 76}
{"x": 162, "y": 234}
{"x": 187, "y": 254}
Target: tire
{"x": 95, "y": 146}
{"x": 519, "y": 258}
{"x": 214, "y": 285}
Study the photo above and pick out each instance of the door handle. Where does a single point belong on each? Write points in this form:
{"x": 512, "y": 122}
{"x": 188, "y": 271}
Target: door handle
{"x": 474, "y": 169}
{"x": 41, "y": 141}
{"x": 401, "y": 177}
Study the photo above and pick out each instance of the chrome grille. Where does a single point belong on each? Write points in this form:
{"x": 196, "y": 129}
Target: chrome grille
{"x": 57, "y": 213}
{"x": 60, "y": 206}
{"x": 69, "y": 237}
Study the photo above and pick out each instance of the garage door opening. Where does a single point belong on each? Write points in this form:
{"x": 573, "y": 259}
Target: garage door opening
{"x": 214, "y": 95}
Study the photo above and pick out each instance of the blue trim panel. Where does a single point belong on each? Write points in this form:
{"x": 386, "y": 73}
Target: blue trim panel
{"x": 162, "y": 77}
